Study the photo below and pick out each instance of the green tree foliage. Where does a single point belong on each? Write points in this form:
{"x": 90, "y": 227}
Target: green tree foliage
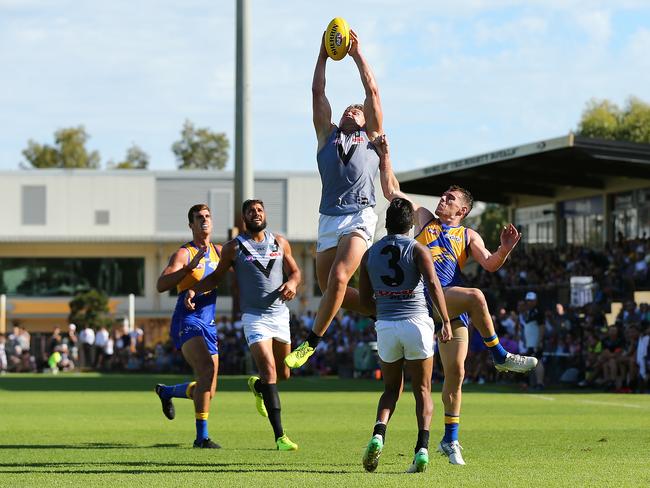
{"x": 491, "y": 223}
{"x": 605, "y": 120}
{"x": 135, "y": 158}
{"x": 635, "y": 124}
{"x": 90, "y": 308}
{"x": 201, "y": 148}
{"x": 69, "y": 151}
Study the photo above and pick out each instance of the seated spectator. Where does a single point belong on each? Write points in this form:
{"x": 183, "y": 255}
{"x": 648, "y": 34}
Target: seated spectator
{"x": 3, "y": 354}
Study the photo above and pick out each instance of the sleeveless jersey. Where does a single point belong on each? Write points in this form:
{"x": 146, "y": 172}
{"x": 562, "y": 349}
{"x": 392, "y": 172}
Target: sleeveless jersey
{"x": 258, "y": 267}
{"x": 396, "y": 279}
{"x": 204, "y": 304}
{"x": 348, "y": 165}
{"x": 449, "y": 249}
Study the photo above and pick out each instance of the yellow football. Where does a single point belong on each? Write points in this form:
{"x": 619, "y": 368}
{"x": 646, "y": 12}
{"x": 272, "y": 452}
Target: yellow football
{"x": 337, "y": 38}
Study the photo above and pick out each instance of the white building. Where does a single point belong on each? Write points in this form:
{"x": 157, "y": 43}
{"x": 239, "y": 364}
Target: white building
{"x": 69, "y": 229}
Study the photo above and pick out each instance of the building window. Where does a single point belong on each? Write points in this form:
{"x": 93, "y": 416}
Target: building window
{"x": 102, "y": 217}
{"x": 33, "y": 205}
{"x": 67, "y": 276}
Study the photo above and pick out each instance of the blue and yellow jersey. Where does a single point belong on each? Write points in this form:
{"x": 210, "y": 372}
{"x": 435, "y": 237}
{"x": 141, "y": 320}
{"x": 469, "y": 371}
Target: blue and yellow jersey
{"x": 449, "y": 249}
{"x": 205, "y": 267}
{"x": 185, "y": 323}
{"x": 205, "y": 304}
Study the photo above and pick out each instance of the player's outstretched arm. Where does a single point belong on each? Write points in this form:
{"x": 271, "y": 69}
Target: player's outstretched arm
{"x": 178, "y": 268}
{"x": 322, "y": 112}
{"x": 425, "y": 265}
{"x": 366, "y": 292}
{"x": 228, "y": 253}
{"x": 492, "y": 261}
{"x": 372, "y": 103}
{"x": 390, "y": 185}
{"x": 291, "y": 270}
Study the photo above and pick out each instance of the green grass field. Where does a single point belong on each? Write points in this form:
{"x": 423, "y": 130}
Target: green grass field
{"x": 88, "y": 430}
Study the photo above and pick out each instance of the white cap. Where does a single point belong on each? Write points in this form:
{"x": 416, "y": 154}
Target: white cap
{"x": 72, "y": 327}
{"x": 531, "y": 295}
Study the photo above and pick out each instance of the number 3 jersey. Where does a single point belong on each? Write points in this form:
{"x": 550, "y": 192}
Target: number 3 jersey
{"x": 448, "y": 246}
{"x": 396, "y": 279}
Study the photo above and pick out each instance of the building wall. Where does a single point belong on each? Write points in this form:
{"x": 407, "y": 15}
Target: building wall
{"x": 72, "y": 199}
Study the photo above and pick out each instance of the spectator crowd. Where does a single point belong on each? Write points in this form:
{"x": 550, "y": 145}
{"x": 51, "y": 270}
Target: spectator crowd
{"x": 529, "y": 297}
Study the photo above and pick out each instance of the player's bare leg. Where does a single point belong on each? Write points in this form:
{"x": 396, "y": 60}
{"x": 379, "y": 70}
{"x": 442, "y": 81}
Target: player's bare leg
{"x": 269, "y": 357}
{"x": 347, "y": 257}
{"x": 452, "y": 355}
{"x": 393, "y": 377}
{"x": 472, "y": 301}
{"x": 205, "y": 368}
{"x": 420, "y": 372}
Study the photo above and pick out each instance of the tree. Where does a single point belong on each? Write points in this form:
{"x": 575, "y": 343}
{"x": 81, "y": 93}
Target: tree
{"x": 69, "y": 151}
{"x": 605, "y": 120}
{"x": 635, "y": 124}
{"x": 90, "y": 308}
{"x": 600, "y": 119}
{"x": 200, "y": 148}
{"x": 135, "y": 158}
{"x": 492, "y": 220}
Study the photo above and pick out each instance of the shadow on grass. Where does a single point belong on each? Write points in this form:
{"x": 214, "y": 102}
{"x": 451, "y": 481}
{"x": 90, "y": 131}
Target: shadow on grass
{"x": 91, "y": 382}
{"x": 129, "y": 467}
{"x": 87, "y": 445}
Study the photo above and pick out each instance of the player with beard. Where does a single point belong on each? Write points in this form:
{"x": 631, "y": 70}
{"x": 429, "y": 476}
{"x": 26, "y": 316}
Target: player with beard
{"x": 194, "y": 332}
{"x": 259, "y": 259}
{"x": 348, "y": 165}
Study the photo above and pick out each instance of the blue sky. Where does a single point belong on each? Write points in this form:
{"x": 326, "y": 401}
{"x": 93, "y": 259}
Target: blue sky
{"x": 456, "y": 78}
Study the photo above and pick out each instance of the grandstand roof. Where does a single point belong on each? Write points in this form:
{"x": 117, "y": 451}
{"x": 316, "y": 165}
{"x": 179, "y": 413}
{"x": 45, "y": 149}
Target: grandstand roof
{"x": 540, "y": 169}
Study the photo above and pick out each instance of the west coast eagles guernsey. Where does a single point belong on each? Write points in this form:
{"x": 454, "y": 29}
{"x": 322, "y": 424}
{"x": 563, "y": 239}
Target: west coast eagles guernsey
{"x": 204, "y": 304}
{"x": 449, "y": 249}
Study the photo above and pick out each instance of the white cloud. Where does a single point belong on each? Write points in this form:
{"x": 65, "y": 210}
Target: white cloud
{"x": 596, "y": 24}
{"x": 456, "y": 78}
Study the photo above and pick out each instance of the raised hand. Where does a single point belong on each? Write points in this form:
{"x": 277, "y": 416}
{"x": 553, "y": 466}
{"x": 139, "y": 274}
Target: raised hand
{"x": 197, "y": 259}
{"x": 323, "y": 52}
{"x": 509, "y": 237}
{"x": 354, "y": 44}
{"x": 381, "y": 144}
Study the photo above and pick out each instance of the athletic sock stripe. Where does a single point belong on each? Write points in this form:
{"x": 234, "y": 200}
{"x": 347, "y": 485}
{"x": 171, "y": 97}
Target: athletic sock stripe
{"x": 190, "y": 387}
{"x": 491, "y": 341}
{"x": 201, "y": 415}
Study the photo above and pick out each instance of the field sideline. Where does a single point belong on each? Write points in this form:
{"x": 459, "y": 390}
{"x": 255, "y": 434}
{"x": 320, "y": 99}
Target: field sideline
{"x": 92, "y": 430}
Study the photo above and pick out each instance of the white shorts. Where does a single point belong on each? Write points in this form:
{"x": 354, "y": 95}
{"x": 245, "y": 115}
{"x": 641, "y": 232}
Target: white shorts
{"x": 408, "y": 338}
{"x": 332, "y": 227}
{"x": 262, "y": 327}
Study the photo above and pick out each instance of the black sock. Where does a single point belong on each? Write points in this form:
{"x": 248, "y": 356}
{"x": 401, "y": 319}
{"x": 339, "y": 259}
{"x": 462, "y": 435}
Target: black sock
{"x": 423, "y": 440}
{"x": 272, "y": 404}
{"x": 313, "y": 339}
{"x": 258, "y": 385}
{"x": 381, "y": 430}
